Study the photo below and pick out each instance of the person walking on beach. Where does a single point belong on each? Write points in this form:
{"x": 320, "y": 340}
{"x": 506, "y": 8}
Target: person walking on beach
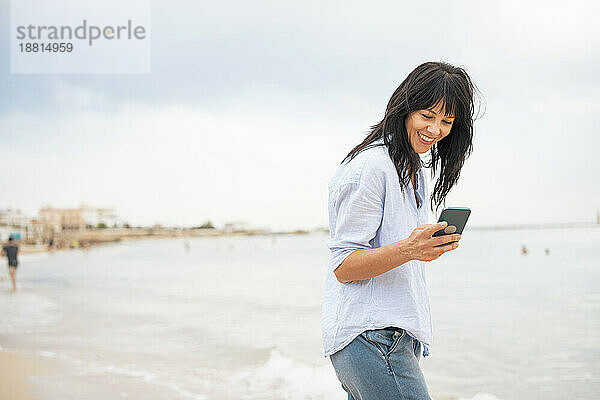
{"x": 376, "y": 317}
{"x": 11, "y": 249}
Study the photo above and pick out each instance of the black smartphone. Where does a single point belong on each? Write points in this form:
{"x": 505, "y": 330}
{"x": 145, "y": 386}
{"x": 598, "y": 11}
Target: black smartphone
{"x": 456, "y": 217}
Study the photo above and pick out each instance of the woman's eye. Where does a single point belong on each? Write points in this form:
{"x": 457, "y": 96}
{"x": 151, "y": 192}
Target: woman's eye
{"x": 426, "y": 116}
{"x": 448, "y": 122}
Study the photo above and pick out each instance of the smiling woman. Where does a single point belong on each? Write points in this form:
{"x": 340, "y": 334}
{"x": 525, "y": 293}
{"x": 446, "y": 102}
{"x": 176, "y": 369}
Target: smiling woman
{"x": 435, "y": 99}
{"x": 427, "y": 127}
{"x": 376, "y": 318}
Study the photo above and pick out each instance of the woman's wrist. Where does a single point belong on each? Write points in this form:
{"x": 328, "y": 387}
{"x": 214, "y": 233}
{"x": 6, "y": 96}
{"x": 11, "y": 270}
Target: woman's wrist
{"x": 367, "y": 263}
{"x": 400, "y": 252}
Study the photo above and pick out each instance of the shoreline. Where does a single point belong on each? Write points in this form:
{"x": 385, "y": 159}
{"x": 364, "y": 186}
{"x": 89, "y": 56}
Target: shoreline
{"x": 16, "y": 369}
{"x": 72, "y": 240}
{"x": 98, "y": 239}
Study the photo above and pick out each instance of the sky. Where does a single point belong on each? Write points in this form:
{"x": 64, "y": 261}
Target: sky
{"x": 251, "y": 106}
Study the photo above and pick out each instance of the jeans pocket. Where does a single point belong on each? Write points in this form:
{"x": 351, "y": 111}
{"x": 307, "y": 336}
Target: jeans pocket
{"x": 417, "y": 348}
{"x": 386, "y": 340}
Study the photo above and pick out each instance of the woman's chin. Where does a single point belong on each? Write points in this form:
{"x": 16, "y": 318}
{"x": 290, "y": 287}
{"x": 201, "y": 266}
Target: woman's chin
{"x": 421, "y": 149}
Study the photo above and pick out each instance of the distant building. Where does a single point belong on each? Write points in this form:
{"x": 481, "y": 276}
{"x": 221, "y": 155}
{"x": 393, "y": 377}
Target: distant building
{"x": 237, "y": 226}
{"x": 14, "y": 223}
{"x": 62, "y": 219}
{"x": 243, "y": 227}
{"x": 76, "y": 219}
{"x": 6, "y": 232}
{"x": 95, "y": 216}
{"x": 14, "y": 217}
{"x": 37, "y": 229}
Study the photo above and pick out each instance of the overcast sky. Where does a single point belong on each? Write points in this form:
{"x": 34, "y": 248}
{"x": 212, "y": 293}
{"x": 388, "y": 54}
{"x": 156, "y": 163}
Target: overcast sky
{"x": 251, "y": 106}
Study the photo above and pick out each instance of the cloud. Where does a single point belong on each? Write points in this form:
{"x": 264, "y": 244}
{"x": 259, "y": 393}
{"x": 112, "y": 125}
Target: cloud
{"x": 176, "y": 164}
{"x": 251, "y": 106}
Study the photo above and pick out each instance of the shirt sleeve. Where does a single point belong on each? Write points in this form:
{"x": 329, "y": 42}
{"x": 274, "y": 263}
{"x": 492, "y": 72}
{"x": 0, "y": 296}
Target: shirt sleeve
{"x": 359, "y": 211}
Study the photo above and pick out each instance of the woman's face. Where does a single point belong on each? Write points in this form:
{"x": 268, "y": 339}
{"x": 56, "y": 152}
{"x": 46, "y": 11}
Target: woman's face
{"x": 427, "y": 127}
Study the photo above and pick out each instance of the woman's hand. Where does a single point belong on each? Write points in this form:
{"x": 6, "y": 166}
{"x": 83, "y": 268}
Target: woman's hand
{"x": 367, "y": 263}
{"x": 422, "y": 246}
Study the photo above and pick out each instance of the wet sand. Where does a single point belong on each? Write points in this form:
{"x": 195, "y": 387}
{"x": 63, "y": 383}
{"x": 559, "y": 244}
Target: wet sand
{"x": 15, "y": 370}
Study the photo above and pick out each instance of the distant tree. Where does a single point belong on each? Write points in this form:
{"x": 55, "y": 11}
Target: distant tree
{"x": 126, "y": 225}
{"x": 101, "y": 225}
{"x": 206, "y": 225}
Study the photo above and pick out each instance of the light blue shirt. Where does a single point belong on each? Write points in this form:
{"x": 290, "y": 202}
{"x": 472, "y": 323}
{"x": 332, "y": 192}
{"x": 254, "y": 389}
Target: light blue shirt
{"x": 367, "y": 210}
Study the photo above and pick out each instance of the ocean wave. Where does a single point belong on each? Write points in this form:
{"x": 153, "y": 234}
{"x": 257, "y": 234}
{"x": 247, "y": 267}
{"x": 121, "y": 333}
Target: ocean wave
{"x": 112, "y": 370}
{"x": 482, "y": 396}
{"x": 282, "y": 377}
{"x": 24, "y": 312}
{"x": 34, "y": 257}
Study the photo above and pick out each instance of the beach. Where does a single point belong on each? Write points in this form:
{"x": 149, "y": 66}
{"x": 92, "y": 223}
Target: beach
{"x": 239, "y": 317}
{"x": 16, "y": 370}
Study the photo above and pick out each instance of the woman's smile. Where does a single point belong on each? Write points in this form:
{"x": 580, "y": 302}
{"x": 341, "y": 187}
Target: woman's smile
{"x": 427, "y": 127}
{"x": 425, "y": 139}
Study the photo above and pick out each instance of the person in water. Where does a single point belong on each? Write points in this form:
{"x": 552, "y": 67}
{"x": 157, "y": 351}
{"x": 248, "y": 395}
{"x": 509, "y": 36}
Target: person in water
{"x": 11, "y": 250}
{"x": 376, "y": 317}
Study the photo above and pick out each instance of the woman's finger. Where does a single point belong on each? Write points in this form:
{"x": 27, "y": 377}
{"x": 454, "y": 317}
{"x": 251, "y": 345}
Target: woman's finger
{"x": 448, "y": 248}
{"x": 433, "y": 228}
{"x": 442, "y": 240}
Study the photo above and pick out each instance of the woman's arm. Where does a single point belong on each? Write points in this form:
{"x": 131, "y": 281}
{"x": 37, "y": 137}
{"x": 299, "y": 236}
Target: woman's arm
{"x": 420, "y": 245}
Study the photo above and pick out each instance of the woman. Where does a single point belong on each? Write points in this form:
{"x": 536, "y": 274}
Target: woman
{"x": 376, "y": 316}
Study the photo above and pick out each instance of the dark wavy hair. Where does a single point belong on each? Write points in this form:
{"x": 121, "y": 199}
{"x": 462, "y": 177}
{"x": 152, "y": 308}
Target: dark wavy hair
{"x": 428, "y": 85}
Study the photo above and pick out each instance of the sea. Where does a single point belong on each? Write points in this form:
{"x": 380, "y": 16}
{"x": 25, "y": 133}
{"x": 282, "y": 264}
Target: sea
{"x": 238, "y": 317}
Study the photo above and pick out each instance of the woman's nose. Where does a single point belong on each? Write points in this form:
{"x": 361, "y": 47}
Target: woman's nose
{"x": 434, "y": 129}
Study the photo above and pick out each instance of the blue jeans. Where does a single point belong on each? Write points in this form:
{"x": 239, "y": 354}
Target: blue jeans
{"x": 381, "y": 364}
